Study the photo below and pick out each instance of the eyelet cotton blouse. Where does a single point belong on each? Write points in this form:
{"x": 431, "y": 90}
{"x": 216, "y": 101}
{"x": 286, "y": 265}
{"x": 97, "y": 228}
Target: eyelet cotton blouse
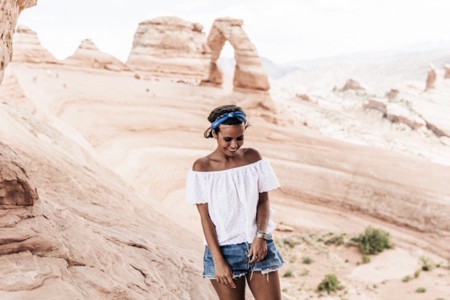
{"x": 232, "y": 196}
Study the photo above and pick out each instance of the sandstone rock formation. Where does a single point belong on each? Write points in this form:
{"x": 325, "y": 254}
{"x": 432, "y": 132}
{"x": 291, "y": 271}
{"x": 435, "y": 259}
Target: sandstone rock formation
{"x": 16, "y": 188}
{"x": 170, "y": 46}
{"x": 431, "y": 78}
{"x": 249, "y": 72}
{"x": 9, "y": 12}
{"x": 89, "y": 56}
{"x": 28, "y": 48}
{"x": 352, "y": 84}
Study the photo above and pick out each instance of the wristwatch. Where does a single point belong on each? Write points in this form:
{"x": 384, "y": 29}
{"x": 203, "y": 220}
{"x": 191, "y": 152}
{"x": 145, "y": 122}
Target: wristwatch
{"x": 263, "y": 235}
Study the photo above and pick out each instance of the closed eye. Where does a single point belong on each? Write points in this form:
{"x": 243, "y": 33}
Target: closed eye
{"x": 240, "y": 138}
{"x": 227, "y": 139}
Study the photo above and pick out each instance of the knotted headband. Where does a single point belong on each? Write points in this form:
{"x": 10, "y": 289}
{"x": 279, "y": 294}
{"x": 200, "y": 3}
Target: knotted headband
{"x": 223, "y": 118}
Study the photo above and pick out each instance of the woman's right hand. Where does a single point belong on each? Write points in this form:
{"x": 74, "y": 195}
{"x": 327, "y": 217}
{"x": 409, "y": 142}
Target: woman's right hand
{"x": 224, "y": 274}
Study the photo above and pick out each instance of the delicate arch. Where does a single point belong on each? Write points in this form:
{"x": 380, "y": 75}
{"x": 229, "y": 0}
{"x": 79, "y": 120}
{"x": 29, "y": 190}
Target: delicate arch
{"x": 249, "y": 72}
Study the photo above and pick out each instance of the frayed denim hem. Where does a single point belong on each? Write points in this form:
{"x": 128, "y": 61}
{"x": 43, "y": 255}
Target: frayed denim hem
{"x": 234, "y": 276}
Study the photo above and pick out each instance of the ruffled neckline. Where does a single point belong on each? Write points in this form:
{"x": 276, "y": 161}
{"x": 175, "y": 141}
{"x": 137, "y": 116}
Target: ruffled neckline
{"x": 228, "y": 170}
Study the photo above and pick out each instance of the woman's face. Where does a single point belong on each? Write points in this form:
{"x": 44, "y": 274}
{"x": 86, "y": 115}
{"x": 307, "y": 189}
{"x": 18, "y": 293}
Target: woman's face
{"x": 230, "y": 138}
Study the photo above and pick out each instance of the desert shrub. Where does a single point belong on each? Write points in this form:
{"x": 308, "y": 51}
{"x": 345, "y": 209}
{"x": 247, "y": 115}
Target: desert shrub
{"x": 427, "y": 265}
{"x": 307, "y": 260}
{"x": 335, "y": 240}
{"x": 288, "y": 273}
{"x": 416, "y": 274}
{"x": 365, "y": 259}
{"x": 421, "y": 290}
{"x": 406, "y": 278}
{"x": 373, "y": 241}
{"x": 329, "y": 284}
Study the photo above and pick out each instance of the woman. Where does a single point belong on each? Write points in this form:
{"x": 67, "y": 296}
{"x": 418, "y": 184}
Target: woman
{"x": 230, "y": 188}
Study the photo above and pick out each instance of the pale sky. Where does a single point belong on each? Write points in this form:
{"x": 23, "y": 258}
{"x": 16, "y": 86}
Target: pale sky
{"x": 282, "y": 30}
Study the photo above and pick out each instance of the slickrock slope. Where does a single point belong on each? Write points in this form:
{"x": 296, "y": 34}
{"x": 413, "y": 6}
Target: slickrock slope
{"x": 28, "y": 48}
{"x": 249, "y": 72}
{"x": 89, "y": 236}
{"x": 9, "y": 12}
{"x": 170, "y": 47}
{"x": 89, "y": 56}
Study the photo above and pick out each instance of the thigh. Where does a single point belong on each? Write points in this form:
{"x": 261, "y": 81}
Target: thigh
{"x": 227, "y": 293}
{"x": 264, "y": 286}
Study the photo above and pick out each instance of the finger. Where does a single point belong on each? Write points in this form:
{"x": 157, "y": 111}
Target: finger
{"x": 253, "y": 259}
{"x": 231, "y": 281}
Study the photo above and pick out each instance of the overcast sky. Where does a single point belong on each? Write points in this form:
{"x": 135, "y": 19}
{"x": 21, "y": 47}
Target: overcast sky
{"x": 282, "y": 30}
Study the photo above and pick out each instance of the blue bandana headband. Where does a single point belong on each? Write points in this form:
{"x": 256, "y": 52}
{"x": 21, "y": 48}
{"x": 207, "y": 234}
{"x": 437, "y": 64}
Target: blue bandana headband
{"x": 223, "y": 118}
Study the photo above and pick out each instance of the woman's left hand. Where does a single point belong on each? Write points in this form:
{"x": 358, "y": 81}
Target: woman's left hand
{"x": 258, "y": 250}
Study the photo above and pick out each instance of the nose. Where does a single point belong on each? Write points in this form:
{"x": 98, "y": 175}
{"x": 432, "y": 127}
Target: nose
{"x": 234, "y": 144}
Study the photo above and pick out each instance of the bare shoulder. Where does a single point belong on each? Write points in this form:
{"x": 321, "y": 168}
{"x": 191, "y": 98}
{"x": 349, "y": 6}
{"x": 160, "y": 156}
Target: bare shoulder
{"x": 251, "y": 155}
{"x": 201, "y": 165}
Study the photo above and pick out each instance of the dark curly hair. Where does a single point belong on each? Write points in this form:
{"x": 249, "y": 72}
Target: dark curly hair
{"x": 222, "y": 110}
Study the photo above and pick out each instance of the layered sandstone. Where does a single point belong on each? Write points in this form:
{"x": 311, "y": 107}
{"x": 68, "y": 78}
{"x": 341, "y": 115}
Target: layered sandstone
{"x": 16, "y": 188}
{"x": 28, "y": 48}
{"x": 89, "y": 56}
{"x": 249, "y": 72}
{"x": 9, "y": 12}
{"x": 170, "y": 46}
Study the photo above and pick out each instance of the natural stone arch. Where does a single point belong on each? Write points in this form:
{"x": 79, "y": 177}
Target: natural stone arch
{"x": 249, "y": 72}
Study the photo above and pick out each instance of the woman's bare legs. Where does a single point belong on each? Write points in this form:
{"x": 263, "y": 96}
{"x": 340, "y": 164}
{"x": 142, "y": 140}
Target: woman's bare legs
{"x": 227, "y": 293}
{"x": 264, "y": 287}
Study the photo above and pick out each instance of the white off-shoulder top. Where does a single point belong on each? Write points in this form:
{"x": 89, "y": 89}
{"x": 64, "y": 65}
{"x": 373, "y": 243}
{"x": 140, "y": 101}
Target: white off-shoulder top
{"x": 232, "y": 196}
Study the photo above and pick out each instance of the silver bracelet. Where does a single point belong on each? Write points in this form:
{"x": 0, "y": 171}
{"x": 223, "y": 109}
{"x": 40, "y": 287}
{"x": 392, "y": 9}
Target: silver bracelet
{"x": 263, "y": 235}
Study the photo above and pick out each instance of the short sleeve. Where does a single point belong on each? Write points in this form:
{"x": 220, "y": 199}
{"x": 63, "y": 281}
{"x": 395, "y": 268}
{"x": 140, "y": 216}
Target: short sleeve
{"x": 267, "y": 180}
{"x": 195, "y": 188}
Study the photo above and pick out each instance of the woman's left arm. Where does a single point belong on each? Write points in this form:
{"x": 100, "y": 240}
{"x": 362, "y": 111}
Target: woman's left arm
{"x": 258, "y": 250}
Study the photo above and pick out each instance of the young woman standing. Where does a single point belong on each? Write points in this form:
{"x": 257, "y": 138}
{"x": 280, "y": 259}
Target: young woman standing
{"x": 230, "y": 188}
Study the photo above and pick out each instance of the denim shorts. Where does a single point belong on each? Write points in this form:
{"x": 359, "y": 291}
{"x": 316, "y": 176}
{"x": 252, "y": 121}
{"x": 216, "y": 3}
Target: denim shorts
{"x": 236, "y": 256}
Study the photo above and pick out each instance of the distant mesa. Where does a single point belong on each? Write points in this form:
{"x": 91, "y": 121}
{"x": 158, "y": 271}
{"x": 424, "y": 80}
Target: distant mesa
{"x": 89, "y": 56}
{"x": 170, "y": 47}
{"x": 16, "y": 188}
{"x": 9, "y": 12}
{"x": 249, "y": 72}
{"x": 28, "y": 48}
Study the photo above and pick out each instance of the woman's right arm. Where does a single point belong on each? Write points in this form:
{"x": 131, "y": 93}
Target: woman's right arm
{"x": 223, "y": 270}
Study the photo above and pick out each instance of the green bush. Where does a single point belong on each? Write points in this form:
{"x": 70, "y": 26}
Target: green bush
{"x": 373, "y": 241}
{"x": 365, "y": 259}
{"x": 329, "y": 284}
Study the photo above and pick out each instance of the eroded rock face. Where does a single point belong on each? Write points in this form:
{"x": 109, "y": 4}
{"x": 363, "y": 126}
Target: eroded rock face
{"x": 16, "y": 187}
{"x": 28, "y": 48}
{"x": 9, "y": 12}
{"x": 249, "y": 72}
{"x": 88, "y": 55}
{"x": 170, "y": 46}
